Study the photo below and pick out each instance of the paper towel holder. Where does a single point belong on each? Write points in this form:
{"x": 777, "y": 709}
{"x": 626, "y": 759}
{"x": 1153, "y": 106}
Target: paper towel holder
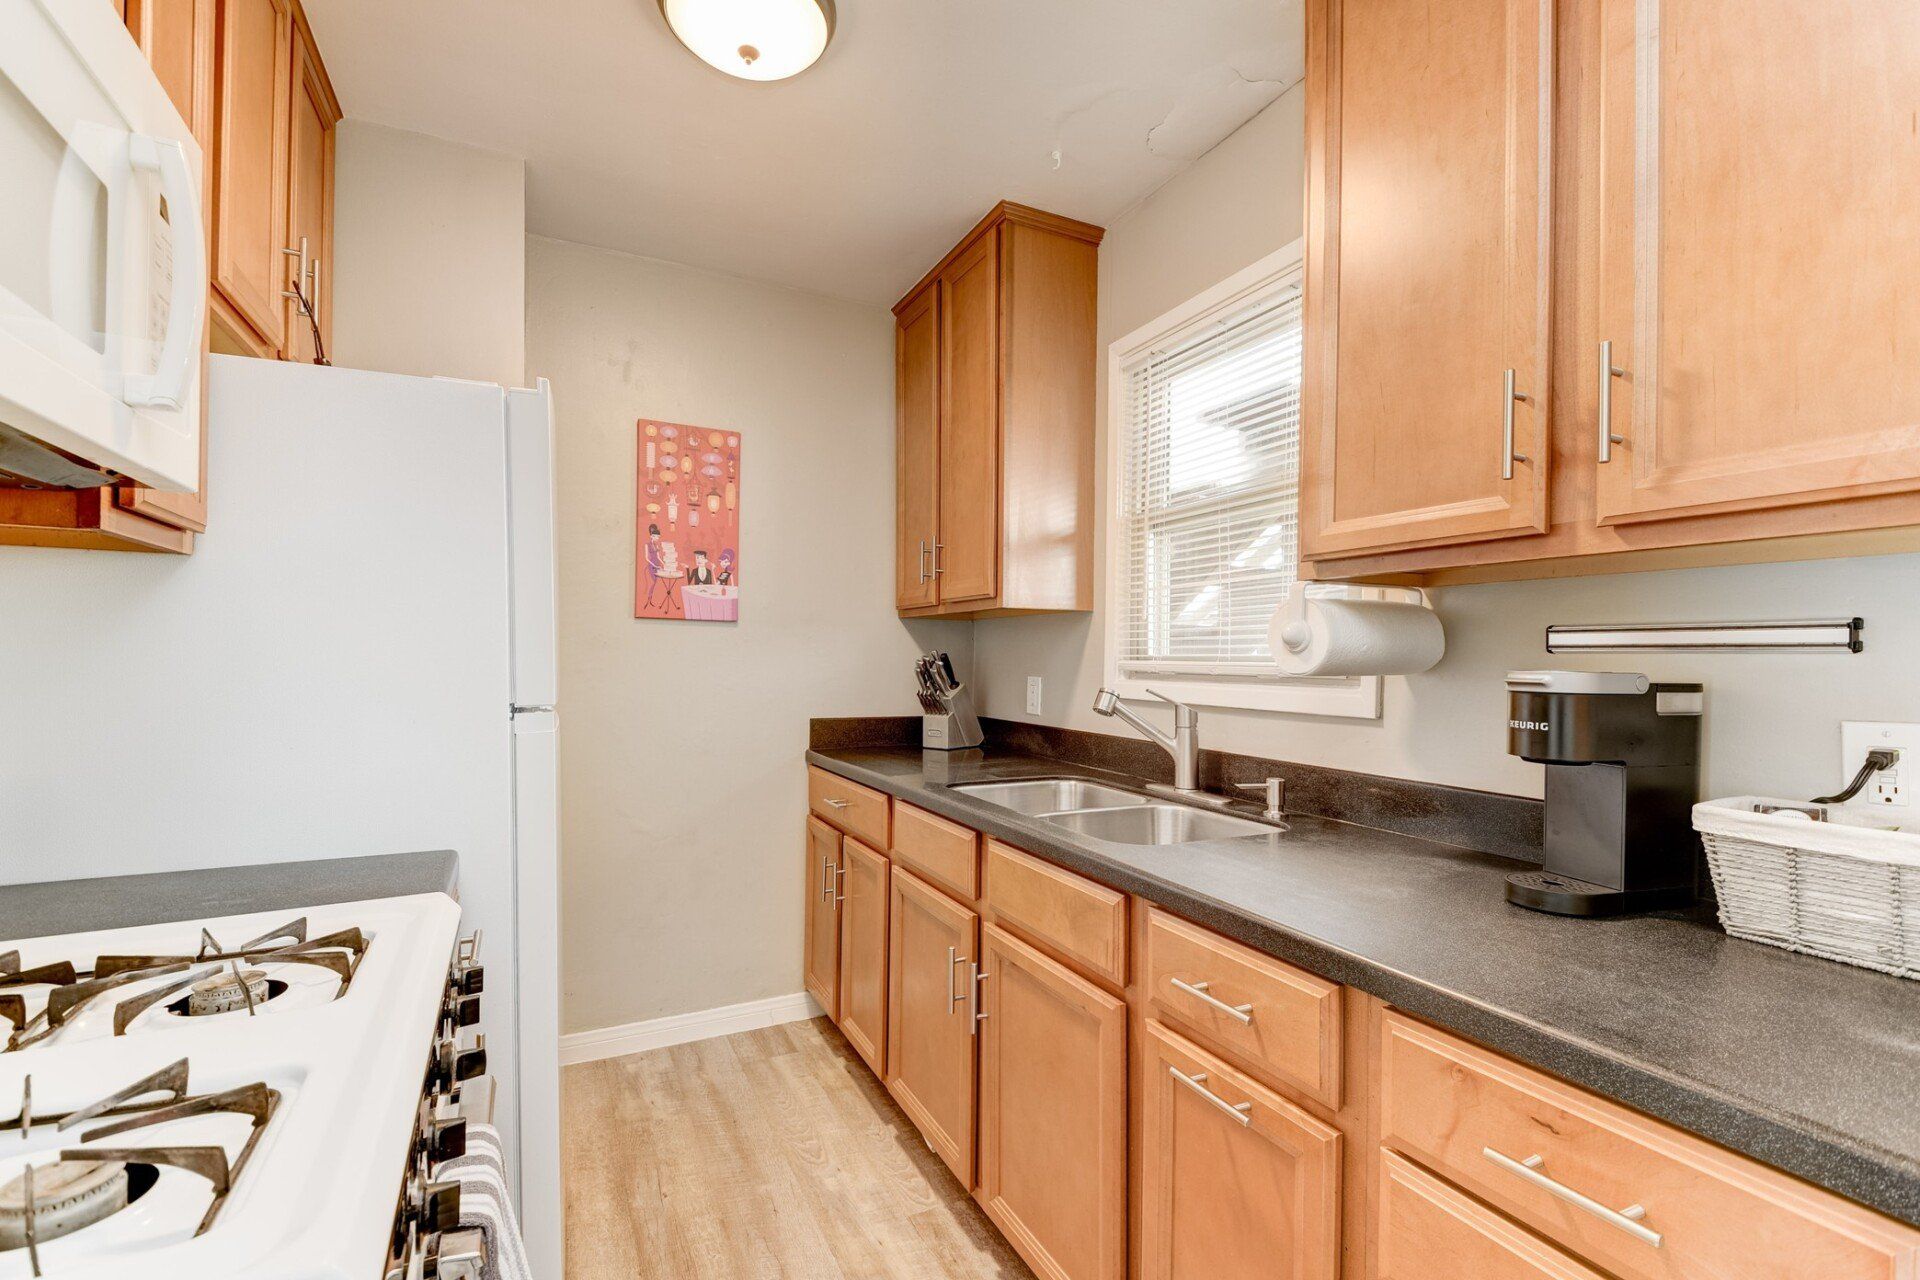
{"x": 1296, "y": 635}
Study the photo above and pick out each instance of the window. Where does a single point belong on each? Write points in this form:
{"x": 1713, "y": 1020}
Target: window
{"x": 1203, "y": 543}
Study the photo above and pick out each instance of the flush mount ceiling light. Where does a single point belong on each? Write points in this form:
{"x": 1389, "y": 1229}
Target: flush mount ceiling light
{"x": 753, "y": 39}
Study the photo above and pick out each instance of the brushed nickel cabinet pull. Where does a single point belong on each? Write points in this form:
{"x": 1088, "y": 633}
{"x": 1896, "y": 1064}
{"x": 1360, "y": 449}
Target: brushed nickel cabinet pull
{"x": 975, "y": 1014}
{"x": 954, "y": 959}
{"x": 924, "y": 551}
{"x": 1627, "y": 1219}
{"x": 826, "y": 878}
{"x": 1608, "y": 372}
{"x": 1241, "y": 1111}
{"x": 838, "y": 874}
{"x": 1507, "y": 456}
{"x": 837, "y": 804}
{"x": 1204, "y": 991}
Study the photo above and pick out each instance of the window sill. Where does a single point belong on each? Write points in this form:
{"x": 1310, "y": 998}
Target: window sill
{"x": 1354, "y": 698}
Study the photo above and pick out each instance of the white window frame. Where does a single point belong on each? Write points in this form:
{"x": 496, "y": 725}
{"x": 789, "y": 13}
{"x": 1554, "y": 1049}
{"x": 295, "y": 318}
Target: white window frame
{"x": 1356, "y": 697}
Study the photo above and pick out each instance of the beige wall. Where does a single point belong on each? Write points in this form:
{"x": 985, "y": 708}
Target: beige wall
{"x": 431, "y": 241}
{"x": 1772, "y": 721}
{"x": 682, "y": 791}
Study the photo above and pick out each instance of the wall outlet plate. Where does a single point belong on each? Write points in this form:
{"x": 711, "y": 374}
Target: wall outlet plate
{"x": 1895, "y": 788}
{"x": 1033, "y": 695}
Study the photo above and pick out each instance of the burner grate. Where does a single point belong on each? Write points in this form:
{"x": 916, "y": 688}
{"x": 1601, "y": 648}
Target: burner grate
{"x": 133, "y": 1109}
{"x": 339, "y": 952}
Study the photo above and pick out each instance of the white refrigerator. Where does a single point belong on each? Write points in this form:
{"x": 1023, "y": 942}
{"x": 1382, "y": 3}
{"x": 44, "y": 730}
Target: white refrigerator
{"x": 358, "y": 659}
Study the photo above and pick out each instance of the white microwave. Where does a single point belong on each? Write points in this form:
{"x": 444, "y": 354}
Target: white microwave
{"x": 103, "y": 262}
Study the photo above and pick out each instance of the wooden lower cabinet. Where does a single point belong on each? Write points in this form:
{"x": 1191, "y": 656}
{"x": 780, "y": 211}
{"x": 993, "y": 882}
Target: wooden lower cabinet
{"x": 821, "y": 963}
{"x": 1427, "y": 1230}
{"x": 1236, "y": 1182}
{"x": 863, "y": 952}
{"x": 931, "y": 1064}
{"x": 1053, "y": 1113}
{"x": 1338, "y": 1139}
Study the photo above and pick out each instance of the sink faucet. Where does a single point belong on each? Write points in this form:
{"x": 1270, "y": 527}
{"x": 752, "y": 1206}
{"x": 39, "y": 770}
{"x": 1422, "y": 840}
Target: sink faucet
{"x": 1183, "y": 744}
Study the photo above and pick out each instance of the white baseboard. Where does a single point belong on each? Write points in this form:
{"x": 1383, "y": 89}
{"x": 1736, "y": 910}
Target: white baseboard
{"x": 685, "y": 1028}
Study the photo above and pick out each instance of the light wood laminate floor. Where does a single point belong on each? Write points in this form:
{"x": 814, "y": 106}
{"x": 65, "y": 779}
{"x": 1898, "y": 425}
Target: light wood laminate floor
{"x": 772, "y": 1153}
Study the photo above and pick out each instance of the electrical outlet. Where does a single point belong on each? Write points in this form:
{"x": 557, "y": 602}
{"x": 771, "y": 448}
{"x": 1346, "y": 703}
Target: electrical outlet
{"x": 1033, "y": 695}
{"x": 1893, "y": 788}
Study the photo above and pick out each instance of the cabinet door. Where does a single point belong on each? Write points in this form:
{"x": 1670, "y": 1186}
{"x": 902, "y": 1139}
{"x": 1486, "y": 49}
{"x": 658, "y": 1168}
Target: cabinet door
{"x": 1760, "y": 171}
{"x": 1053, "y": 1112}
{"x": 916, "y": 381}
{"x": 309, "y": 204}
{"x": 178, "y": 38}
{"x": 1237, "y": 1183}
{"x": 1428, "y": 271}
{"x": 969, "y": 552}
{"x": 930, "y": 1024}
{"x": 822, "y": 959}
{"x": 863, "y": 953}
{"x": 1426, "y": 1230}
{"x": 255, "y": 64}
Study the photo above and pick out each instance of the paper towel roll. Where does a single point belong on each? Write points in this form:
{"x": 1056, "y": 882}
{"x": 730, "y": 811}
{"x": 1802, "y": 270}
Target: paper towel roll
{"x": 1338, "y": 636}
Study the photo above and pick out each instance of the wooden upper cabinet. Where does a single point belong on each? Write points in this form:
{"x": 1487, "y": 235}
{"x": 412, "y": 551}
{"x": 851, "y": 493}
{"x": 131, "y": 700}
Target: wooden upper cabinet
{"x": 995, "y": 368}
{"x": 1053, "y": 1112}
{"x": 251, "y": 107}
{"x": 916, "y": 374}
{"x": 1237, "y": 1183}
{"x": 313, "y": 114}
{"x": 1428, "y": 256}
{"x": 967, "y": 556}
{"x": 1760, "y": 172}
{"x": 931, "y": 1064}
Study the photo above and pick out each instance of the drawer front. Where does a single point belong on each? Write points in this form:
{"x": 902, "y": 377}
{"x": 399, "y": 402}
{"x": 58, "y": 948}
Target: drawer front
{"x": 1275, "y": 1018}
{"x": 1082, "y": 922}
{"x": 1637, "y": 1197}
{"x": 946, "y": 853}
{"x": 857, "y": 810}
{"x": 1427, "y": 1230}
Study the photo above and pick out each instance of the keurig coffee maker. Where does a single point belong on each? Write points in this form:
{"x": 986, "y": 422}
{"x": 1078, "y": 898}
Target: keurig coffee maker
{"x": 1623, "y": 773}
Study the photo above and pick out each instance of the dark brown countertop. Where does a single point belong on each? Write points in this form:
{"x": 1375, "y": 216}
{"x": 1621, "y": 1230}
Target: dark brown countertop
{"x": 1810, "y": 1066}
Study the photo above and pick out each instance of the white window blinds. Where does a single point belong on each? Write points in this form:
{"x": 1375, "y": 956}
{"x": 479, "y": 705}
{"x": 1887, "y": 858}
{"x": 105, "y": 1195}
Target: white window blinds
{"x": 1210, "y": 491}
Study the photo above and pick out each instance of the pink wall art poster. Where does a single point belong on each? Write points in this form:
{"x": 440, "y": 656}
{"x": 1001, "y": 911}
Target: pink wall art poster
{"x": 686, "y": 523}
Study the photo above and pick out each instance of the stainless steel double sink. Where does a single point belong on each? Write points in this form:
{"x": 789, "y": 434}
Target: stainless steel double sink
{"x": 1105, "y": 812}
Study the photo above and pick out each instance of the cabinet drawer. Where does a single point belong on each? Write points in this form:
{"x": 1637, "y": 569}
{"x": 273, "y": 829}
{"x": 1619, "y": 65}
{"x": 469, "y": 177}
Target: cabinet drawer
{"x": 1427, "y": 1230}
{"x": 857, "y": 810}
{"x": 944, "y": 852}
{"x": 1637, "y": 1197}
{"x": 1082, "y": 922}
{"x": 1274, "y": 1017}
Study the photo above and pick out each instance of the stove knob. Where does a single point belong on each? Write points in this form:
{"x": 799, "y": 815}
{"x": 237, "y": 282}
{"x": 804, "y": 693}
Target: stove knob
{"x": 463, "y": 1011}
{"x": 460, "y": 1255}
{"x": 443, "y": 1206}
{"x": 468, "y": 980}
{"x": 446, "y": 1140}
{"x": 468, "y": 1063}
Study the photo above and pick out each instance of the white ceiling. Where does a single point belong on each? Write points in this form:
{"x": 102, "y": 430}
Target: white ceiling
{"x": 850, "y": 179}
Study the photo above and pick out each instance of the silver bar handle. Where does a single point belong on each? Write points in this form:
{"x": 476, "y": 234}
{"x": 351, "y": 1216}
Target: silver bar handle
{"x": 1507, "y": 456}
{"x": 299, "y": 278}
{"x": 924, "y": 549}
{"x": 975, "y": 1014}
{"x": 1627, "y": 1219}
{"x": 954, "y": 960}
{"x": 1204, "y": 991}
{"x": 836, "y": 804}
{"x": 1608, "y": 372}
{"x": 938, "y": 547}
{"x": 1241, "y": 1111}
{"x": 826, "y": 878}
{"x": 313, "y": 293}
{"x": 838, "y": 874}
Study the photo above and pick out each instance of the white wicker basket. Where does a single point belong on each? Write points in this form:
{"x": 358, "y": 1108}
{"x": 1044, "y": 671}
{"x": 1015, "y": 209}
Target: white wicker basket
{"x": 1847, "y": 889}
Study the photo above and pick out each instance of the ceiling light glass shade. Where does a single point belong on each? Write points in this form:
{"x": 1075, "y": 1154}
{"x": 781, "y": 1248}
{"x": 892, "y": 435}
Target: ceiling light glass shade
{"x": 753, "y": 39}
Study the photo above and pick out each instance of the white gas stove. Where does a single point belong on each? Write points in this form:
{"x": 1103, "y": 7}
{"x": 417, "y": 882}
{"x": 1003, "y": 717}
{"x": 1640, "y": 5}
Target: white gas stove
{"x": 261, "y": 1096}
